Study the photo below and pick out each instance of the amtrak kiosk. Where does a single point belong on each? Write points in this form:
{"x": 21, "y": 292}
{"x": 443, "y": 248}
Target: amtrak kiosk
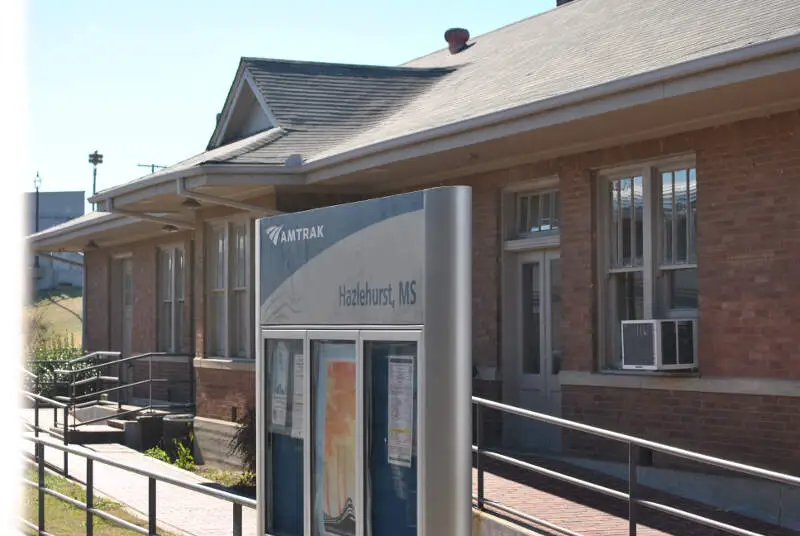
{"x": 363, "y": 372}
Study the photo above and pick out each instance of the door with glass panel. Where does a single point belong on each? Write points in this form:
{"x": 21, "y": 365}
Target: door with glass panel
{"x": 539, "y": 346}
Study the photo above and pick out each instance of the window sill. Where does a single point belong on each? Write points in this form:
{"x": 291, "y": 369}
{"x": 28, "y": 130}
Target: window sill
{"x": 224, "y": 363}
{"x": 652, "y": 373}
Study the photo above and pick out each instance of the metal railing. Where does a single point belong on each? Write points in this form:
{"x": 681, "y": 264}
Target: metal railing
{"x": 38, "y": 400}
{"x": 74, "y": 400}
{"x": 91, "y": 508}
{"x": 633, "y": 497}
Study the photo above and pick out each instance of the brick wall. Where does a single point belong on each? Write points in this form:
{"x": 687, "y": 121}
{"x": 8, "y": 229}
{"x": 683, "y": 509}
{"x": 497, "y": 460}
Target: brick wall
{"x": 761, "y": 430}
{"x": 221, "y": 392}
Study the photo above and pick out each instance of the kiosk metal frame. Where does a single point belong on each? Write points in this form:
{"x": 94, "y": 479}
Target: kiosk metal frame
{"x": 442, "y": 373}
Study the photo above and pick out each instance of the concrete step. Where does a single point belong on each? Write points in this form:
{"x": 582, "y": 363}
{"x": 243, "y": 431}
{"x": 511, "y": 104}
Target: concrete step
{"x": 117, "y": 423}
{"x": 91, "y": 433}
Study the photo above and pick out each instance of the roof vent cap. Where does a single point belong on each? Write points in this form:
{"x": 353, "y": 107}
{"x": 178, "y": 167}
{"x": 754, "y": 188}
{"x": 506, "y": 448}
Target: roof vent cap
{"x": 457, "y": 39}
{"x": 293, "y": 160}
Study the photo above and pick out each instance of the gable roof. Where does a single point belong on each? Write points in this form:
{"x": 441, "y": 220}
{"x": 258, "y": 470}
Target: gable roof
{"x": 328, "y": 111}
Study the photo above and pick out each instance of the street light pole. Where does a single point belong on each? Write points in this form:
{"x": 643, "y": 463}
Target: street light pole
{"x": 95, "y": 158}
{"x": 37, "y": 182}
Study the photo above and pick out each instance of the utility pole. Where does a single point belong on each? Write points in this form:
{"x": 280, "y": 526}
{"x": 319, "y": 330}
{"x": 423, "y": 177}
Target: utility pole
{"x": 37, "y": 182}
{"x": 95, "y": 158}
{"x": 151, "y": 166}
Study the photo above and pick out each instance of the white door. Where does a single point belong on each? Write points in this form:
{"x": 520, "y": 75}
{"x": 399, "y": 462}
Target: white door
{"x": 538, "y": 296}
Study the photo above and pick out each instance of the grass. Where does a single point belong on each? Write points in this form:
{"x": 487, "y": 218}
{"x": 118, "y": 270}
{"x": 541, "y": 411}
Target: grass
{"x": 61, "y": 309}
{"x": 239, "y": 482}
{"x": 67, "y": 520}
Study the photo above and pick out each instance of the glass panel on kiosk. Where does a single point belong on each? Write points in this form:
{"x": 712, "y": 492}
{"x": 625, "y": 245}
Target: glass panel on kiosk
{"x": 333, "y": 436}
{"x": 390, "y": 413}
{"x": 285, "y": 435}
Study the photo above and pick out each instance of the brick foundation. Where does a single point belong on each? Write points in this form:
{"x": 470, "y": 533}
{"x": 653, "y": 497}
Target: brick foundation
{"x": 221, "y": 393}
{"x": 759, "y": 430}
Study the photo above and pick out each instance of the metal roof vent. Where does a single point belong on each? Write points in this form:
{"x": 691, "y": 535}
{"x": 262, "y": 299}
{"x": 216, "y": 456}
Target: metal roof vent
{"x": 293, "y": 160}
{"x": 457, "y": 39}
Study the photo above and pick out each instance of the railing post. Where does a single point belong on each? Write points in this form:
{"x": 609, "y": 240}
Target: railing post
{"x": 237, "y": 519}
{"x": 35, "y": 417}
{"x": 151, "y": 506}
{"x": 89, "y": 497}
{"x": 66, "y": 440}
{"x": 478, "y": 465}
{"x": 40, "y": 450}
{"x": 633, "y": 484}
{"x": 150, "y": 381}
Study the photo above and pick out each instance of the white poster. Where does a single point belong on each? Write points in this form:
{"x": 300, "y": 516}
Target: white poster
{"x": 280, "y": 384}
{"x": 297, "y": 397}
{"x": 401, "y": 410}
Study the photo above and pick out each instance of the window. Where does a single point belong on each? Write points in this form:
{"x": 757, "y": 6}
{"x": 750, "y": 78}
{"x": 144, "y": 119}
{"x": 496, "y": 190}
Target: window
{"x": 537, "y": 213}
{"x": 171, "y": 299}
{"x": 649, "y": 250}
{"x": 230, "y": 312}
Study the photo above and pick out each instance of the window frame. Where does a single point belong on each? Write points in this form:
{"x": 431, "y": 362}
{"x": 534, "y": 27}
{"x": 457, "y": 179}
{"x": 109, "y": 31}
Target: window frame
{"x": 175, "y": 345}
{"x": 653, "y": 268}
{"x": 228, "y": 342}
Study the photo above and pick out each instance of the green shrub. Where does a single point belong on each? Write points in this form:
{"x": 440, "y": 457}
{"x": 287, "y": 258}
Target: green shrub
{"x": 183, "y": 457}
{"x": 48, "y": 352}
{"x": 158, "y": 453}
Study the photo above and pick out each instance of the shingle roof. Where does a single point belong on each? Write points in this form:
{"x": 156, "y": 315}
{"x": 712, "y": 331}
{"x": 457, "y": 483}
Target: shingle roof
{"x": 328, "y": 109}
{"x": 579, "y": 45}
{"x": 319, "y": 104}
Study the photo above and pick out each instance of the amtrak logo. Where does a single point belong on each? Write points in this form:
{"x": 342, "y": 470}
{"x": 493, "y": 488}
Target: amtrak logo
{"x": 277, "y": 234}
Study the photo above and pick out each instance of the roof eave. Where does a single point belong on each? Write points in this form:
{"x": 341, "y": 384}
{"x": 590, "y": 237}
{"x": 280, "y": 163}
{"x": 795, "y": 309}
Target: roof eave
{"x": 272, "y": 175}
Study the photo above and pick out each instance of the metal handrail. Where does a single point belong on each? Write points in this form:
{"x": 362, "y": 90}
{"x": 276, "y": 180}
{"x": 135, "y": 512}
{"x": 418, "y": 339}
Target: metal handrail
{"x": 40, "y": 398}
{"x": 632, "y": 496}
{"x": 643, "y": 443}
{"x": 89, "y": 507}
{"x": 102, "y": 353}
{"x": 108, "y": 363}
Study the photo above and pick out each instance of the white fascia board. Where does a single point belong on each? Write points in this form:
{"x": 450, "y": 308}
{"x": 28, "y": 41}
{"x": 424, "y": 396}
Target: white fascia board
{"x": 764, "y": 59}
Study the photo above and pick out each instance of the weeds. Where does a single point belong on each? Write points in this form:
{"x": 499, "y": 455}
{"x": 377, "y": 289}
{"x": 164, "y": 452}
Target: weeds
{"x": 243, "y": 442}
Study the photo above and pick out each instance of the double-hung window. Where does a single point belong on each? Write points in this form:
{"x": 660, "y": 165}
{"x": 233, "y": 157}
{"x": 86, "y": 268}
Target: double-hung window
{"x": 171, "y": 290}
{"x": 647, "y": 249}
{"x": 230, "y": 311}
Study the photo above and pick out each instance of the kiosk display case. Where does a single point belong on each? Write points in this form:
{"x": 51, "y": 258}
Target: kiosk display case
{"x": 364, "y": 368}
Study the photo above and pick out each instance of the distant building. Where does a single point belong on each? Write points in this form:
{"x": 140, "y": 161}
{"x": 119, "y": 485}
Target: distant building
{"x": 55, "y": 208}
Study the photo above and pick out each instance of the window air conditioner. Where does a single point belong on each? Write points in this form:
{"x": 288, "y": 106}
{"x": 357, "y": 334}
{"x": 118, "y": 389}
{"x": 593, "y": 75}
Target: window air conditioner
{"x": 659, "y": 344}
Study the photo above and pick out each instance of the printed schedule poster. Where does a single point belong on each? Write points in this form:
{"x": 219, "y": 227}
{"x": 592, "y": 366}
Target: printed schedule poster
{"x": 335, "y": 440}
{"x": 280, "y": 385}
{"x": 297, "y": 396}
{"x": 401, "y": 410}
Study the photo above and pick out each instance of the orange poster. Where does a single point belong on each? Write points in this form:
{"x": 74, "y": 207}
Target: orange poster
{"x": 335, "y": 447}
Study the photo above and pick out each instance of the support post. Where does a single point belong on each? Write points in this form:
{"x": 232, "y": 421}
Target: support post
{"x": 40, "y": 449}
{"x": 151, "y": 506}
{"x": 66, "y": 440}
{"x": 35, "y": 417}
{"x": 89, "y": 497}
{"x": 478, "y": 466}
{"x": 633, "y": 484}
{"x": 237, "y": 519}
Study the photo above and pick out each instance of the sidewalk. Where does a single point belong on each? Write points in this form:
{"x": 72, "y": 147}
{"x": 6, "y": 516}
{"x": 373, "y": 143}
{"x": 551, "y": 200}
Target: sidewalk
{"x": 178, "y": 510}
{"x": 592, "y": 514}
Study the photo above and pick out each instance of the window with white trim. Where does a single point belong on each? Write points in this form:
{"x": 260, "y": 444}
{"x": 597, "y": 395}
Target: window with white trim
{"x": 648, "y": 229}
{"x": 230, "y": 314}
{"x": 171, "y": 299}
{"x": 537, "y": 212}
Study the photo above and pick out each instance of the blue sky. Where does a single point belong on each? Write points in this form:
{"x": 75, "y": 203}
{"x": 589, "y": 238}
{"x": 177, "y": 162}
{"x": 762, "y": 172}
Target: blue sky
{"x": 143, "y": 81}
